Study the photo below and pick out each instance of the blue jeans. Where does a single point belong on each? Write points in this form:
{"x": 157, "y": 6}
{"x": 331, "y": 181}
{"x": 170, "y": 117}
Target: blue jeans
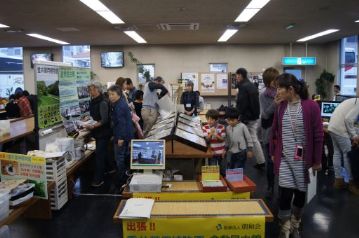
{"x": 270, "y": 166}
{"x": 122, "y": 158}
{"x": 238, "y": 160}
{"x": 218, "y": 160}
{"x": 342, "y": 145}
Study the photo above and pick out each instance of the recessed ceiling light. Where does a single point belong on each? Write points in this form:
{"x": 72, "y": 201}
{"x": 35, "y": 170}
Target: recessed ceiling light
{"x": 3, "y": 26}
{"x": 257, "y": 3}
{"x": 103, "y": 11}
{"x": 134, "y": 35}
{"x": 247, "y": 14}
{"x": 357, "y": 21}
{"x": 42, "y": 37}
{"x": 323, "y": 33}
{"x": 227, "y": 34}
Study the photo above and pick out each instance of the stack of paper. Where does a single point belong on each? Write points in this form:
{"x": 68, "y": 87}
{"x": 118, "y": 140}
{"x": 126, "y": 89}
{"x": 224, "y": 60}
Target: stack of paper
{"x": 137, "y": 208}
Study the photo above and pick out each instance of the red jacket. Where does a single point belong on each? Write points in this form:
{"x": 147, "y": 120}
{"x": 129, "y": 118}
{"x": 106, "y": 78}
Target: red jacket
{"x": 313, "y": 134}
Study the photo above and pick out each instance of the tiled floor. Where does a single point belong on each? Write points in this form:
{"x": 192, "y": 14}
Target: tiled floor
{"x": 331, "y": 214}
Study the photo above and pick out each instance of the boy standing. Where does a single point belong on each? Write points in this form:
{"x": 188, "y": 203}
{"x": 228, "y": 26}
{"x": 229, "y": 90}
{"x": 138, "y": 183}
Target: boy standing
{"x": 238, "y": 141}
{"x": 215, "y": 134}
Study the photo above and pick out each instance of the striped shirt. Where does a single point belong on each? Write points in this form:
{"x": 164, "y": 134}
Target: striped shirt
{"x": 292, "y": 172}
{"x": 216, "y": 145}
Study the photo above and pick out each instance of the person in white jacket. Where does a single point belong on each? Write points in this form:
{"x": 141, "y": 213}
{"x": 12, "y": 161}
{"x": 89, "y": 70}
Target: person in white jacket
{"x": 344, "y": 133}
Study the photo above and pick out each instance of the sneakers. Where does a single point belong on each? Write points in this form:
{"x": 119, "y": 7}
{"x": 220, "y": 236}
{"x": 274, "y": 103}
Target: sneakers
{"x": 259, "y": 166}
{"x": 97, "y": 184}
{"x": 339, "y": 183}
{"x": 285, "y": 229}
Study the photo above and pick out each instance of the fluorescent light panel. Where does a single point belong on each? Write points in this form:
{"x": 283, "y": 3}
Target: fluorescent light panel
{"x": 227, "y": 34}
{"x": 257, "y": 4}
{"x": 357, "y": 21}
{"x": 103, "y": 11}
{"x": 42, "y": 37}
{"x": 3, "y": 26}
{"x": 251, "y": 10}
{"x": 247, "y": 14}
{"x": 134, "y": 35}
{"x": 323, "y": 33}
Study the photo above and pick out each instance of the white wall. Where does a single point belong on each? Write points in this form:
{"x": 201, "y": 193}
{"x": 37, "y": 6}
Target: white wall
{"x": 170, "y": 60}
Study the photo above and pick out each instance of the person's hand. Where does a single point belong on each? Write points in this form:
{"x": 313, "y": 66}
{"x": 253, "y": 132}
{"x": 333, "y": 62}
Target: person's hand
{"x": 249, "y": 154}
{"x": 356, "y": 140}
{"x": 316, "y": 168}
{"x": 224, "y": 155}
{"x": 89, "y": 127}
{"x": 278, "y": 99}
{"x": 272, "y": 157}
{"x": 120, "y": 142}
{"x": 213, "y": 130}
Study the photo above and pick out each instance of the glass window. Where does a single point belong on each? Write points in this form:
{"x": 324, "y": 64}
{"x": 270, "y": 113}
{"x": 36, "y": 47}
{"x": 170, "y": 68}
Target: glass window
{"x": 349, "y": 65}
{"x": 11, "y": 70}
{"x": 77, "y": 55}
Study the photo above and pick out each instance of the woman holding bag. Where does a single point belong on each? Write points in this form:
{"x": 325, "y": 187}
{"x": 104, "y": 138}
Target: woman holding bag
{"x": 296, "y": 145}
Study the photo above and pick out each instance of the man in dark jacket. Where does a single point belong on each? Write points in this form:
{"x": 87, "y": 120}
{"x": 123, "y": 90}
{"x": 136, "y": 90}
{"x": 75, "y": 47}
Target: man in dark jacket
{"x": 101, "y": 131}
{"x": 249, "y": 110}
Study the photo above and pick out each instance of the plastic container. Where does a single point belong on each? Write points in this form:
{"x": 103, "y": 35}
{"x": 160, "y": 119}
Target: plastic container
{"x": 4, "y": 204}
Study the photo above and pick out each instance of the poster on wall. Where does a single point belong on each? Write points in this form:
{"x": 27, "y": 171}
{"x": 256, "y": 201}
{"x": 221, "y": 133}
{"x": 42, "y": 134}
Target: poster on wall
{"x": 48, "y": 101}
{"x": 83, "y": 80}
{"x": 31, "y": 168}
{"x": 207, "y": 83}
{"x": 145, "y": 72}
{"x": 193, "y": 77}
{"x": 222, "y": 81}
{"x": 218, "y": 67}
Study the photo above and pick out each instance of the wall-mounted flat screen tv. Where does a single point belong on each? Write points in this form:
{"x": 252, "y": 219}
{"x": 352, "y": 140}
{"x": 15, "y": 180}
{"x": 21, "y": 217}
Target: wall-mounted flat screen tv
{"x": 113, "y": 59}
{"x": 41, "y": 57}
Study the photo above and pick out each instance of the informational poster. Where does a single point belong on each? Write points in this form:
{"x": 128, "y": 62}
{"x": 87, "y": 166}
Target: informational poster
{"x": 193, "y": 77}
{"x": 222, "y": 81}
{"x": 207, "y": 227}
{"x": 83, "y": 80}
{"x": 48, "y": 101}
{"x": 218, "y": 67}
{"x": 207, "y": 83}
{"x": 33, "y": 169}
{"x": 69, "y": 100}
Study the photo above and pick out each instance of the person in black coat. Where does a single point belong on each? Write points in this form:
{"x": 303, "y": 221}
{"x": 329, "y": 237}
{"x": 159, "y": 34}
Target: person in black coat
{"x": 12, "y": 109}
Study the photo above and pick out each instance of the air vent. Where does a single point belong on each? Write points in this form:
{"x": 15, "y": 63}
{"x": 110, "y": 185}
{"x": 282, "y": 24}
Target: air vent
{"x": 179, "y": 26}
{"x": 67, "y": 29}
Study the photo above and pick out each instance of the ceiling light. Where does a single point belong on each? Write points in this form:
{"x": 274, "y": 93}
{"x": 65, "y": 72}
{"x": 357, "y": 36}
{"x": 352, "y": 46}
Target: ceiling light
{"x": 357, "y": 21}
{"x": 257, "y": 3}
{"x": 246, "y": 14}
{"x": 135, "y": 36}
{"x": 323, "y": 33}
{"x": 103, "y": 11}
{"x": 227, "y": 34}
{"x": 290, "y": 26}
{"x": 3, "y": 26}
{"x": 42, "y": 37}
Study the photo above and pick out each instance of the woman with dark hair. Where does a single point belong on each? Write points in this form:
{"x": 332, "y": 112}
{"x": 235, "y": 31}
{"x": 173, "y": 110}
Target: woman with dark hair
{"x": 122, "y": 130}
{"x": 189, "y": 99}
{"x": 296, "y": 146}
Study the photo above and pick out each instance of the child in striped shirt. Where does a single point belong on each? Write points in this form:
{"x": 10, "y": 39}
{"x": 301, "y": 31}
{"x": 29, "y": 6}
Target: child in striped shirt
{"x": 215, "y": 134}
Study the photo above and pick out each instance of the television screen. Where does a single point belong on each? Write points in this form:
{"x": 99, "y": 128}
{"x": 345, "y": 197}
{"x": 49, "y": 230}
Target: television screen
{"x": 148, "y": 154}
{"x": 112, "y": 59}
{"x": 41, "y": 57}
{"x": 327, "y": 108}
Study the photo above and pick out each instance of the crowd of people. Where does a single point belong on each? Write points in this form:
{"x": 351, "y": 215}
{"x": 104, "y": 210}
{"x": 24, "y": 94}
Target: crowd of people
{"x": 20, "y": 104}
{"x": 290, "y": 124}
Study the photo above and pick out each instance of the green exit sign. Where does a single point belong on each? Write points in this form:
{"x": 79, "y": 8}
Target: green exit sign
{"x": 299, "y": 60}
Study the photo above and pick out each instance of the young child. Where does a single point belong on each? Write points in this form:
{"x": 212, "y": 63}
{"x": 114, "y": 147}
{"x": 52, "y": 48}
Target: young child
{"x": 215, "y": 134}
{"x": 238, "y": 140}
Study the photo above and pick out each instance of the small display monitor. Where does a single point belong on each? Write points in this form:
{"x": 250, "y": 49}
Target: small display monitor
{"x": 327, "y": 108}
{"x": 112, "y": 59}
{"x": 148, "y": 154}
{"x": 41, "y": 57}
